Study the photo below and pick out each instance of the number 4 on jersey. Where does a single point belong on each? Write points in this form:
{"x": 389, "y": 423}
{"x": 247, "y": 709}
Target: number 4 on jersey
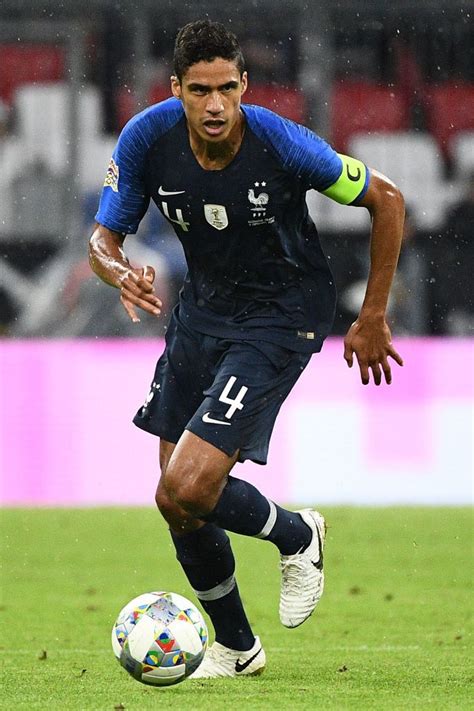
{"x": 235, "y": 403}
{"x": 179, "y": 214}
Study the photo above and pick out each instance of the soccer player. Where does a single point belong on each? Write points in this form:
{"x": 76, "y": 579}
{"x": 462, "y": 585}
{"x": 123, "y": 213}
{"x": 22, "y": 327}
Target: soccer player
{"x": 258, "y": 300}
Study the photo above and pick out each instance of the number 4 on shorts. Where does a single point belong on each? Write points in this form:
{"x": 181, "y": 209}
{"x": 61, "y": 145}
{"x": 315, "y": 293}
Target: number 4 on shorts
{"x": 235, "y": 403}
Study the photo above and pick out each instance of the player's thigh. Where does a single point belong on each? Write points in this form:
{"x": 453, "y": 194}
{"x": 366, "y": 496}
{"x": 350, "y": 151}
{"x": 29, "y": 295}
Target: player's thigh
{"x": 240, "y": 406}
{"x": 166, "y": 450}
{"x": 197, "y": 474}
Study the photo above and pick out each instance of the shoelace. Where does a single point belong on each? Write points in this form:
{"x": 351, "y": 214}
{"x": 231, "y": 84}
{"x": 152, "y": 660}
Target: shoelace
{"x": 212, "y": 654}
{"x": 291, "y": 568}
{"x": 213, "y": 657}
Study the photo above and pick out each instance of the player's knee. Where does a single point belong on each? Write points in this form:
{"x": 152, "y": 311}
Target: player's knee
{"x": 193, "y": 500}
{"x": 190, "y": 493}
{"x": 164, "y": 503}
{"x": 176, "y": 517}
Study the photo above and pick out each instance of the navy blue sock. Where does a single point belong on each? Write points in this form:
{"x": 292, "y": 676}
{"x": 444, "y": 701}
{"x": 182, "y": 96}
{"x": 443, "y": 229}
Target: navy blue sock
{"x": 208, "y": 562}
{"x": 243, "y": 509}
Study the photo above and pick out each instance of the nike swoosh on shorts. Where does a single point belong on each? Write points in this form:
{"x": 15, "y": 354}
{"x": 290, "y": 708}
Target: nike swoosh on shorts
{"x": 211, "y": 421}
{"x": 170, "y": 192}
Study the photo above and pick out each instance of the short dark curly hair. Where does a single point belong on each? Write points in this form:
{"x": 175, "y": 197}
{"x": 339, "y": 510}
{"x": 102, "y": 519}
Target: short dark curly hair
{"x": 204, "y": 40}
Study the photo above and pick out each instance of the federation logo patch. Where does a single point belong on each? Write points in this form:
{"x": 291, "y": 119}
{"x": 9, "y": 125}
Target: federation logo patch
{"x": 258, "y": 201}
{"x": 112, "y": 177}
{"x": 216, "y": 215}
{"x": 258, "y": 205}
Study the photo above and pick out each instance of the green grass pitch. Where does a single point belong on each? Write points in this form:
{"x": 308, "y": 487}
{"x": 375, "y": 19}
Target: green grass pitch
{"x": 393, "y": 629}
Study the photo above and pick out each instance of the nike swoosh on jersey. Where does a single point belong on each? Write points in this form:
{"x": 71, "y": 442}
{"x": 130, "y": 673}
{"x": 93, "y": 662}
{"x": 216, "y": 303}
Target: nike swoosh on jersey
{"x": 211, "y": 421}
{"x": 170, "y": 192}
{"x": 240, "y": 667}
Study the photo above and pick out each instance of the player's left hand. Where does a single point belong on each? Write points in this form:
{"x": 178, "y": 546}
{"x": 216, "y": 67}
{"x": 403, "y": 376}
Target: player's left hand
{"x": 371, "y": 341}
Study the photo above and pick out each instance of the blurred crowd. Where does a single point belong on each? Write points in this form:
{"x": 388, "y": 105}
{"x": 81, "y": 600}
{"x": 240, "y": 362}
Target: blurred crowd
{"x": 47, "y": 288}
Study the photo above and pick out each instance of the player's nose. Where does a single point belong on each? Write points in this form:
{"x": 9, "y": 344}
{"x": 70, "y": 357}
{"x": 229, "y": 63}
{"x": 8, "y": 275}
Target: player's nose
{"x": 214, "y": 103}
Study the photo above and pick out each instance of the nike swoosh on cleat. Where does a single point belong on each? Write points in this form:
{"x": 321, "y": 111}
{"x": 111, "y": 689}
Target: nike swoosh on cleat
{"x": 319, "y": 564}
{"x": 170, "y": 192}
{"x": 240, "y": 667}
{"x": 211, "y": 421}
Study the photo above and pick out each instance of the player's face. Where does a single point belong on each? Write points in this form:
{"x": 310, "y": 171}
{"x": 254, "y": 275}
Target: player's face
{"x": 211, "y": 94}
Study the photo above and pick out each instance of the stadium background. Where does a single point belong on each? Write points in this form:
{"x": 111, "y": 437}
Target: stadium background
{"x": 392, "y": 83}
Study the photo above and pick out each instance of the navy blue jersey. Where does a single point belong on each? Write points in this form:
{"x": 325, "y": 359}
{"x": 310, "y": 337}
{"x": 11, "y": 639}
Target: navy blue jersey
{"x": 256, "y": 270}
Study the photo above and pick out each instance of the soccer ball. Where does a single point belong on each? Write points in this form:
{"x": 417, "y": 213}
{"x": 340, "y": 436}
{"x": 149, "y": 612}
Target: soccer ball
{"x": 159, "y": 638}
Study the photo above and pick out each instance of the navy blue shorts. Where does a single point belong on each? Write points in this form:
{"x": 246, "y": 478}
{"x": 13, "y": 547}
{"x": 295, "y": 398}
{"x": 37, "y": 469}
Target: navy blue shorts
{"x": 226, "y": 392}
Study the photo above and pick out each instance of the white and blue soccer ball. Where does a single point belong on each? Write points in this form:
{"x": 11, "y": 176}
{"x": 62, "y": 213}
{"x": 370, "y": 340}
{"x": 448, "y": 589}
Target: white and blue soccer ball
{"x": 160, "y": 638}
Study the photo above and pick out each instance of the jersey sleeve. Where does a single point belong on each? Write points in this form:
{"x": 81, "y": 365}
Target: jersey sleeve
{"x": 310, "y": 158}
{"x": 124, "y": 199}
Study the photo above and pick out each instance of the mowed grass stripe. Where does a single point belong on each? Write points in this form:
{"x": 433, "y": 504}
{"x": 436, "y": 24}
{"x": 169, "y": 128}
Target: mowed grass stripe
{"x": 393, "y": 630}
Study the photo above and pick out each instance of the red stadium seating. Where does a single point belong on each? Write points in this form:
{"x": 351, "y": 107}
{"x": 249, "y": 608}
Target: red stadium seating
{"x": 450, "y": 109}
{"x": 288, "y": 101}
{"x": 126, "y": 103}
{"x": 159, "y": 92}
{"x": 361, "y": 107}
{"x": 25, "y": 64}
{"x": 126, "y": 107}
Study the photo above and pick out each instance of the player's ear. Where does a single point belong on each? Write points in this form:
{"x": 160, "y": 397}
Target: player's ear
{"x": 244, "y": 82}
{"x": 176, "y": 87}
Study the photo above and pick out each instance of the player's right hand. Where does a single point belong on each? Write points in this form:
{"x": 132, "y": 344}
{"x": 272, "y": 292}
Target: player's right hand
{"x": 136, "y": 289}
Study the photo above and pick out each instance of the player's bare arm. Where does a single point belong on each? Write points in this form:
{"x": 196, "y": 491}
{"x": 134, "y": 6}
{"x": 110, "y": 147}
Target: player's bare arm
{"x": 369, "y": 337}
{"x": 109, "y": 262}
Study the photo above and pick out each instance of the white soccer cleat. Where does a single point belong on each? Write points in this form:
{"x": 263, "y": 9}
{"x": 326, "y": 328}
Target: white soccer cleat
{"x": 220, "y": 661}
{"x": 302, "y": 576}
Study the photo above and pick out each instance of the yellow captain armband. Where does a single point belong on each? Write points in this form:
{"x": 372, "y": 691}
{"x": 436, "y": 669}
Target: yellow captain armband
{"x": 350, "y": 183}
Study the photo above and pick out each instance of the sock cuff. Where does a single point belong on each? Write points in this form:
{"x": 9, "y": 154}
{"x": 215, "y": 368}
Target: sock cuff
{"x": 270, "y": 522}
{"x": 218, "y": 591}
{"x": 232, "y": 482}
